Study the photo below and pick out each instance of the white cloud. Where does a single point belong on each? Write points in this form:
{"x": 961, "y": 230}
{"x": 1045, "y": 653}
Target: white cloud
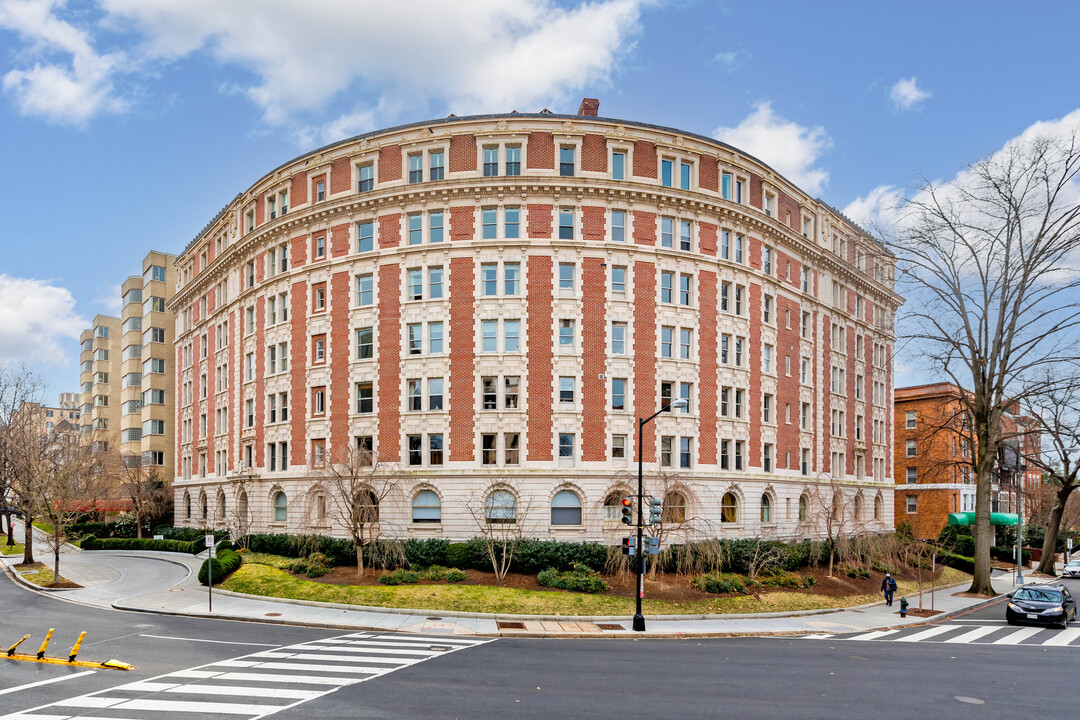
{"x": 35, "y": 319}
{"x": 68, "y": 82}
{"x": 791, "y": 149}
{"x": 471, "y": 55}
{"x": 110, "y": 299}
{"x": 907, "y": 95}
{"x": 732, "y": 60}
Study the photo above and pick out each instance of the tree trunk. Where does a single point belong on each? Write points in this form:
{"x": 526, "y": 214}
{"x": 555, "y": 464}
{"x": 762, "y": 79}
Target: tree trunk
{"x": 359, "y": 558}
{"x": 980, "y": 580}
{"x": 56, "y": 564}
{"x": 1053, "y": 526}
{"x": 138, "y": 526}
{"x": 10, "y": 528}
{"x": 28, "y": 539}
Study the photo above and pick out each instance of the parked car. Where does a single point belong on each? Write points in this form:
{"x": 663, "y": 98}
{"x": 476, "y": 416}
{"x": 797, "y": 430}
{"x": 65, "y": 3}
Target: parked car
{"x": 1041, "y": 605}
{"x": 1072, "y": 569}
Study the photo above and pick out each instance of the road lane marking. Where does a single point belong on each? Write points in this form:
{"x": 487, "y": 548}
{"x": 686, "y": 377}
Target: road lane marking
{"x": 928, "y": 633}
{"x": 973, "y": 634}
{"x": 46, "y": 682}
{"x": 1016, "y": 637}
{"x": 207, "y": 708}
{"x": 874, "y": 635}
{"x": 1063, "y": 637}
{"x": 199, "y": 640}
{"x": 274, "y": 678}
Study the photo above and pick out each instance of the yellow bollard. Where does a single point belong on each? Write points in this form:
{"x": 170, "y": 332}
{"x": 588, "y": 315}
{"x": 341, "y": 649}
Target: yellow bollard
{"x": 11, "y": 650}
{"x": 45, "y": 644}
{"x": 75, "y": 650}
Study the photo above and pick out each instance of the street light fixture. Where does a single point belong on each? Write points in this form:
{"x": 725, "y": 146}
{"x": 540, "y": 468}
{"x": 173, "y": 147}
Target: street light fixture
{"x": 639, "y": 619}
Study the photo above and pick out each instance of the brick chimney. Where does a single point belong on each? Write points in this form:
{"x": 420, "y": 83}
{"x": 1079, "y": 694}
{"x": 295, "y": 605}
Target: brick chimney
{"x": 589, "y": 107}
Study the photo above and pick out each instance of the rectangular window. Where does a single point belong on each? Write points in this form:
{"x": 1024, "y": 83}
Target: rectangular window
{"x": 416, "y": 228}
{"x": 739, "y": 248}
{"x": 415, "y": 338}
{"x": 436, "y": 162}
{"x": 910, "y": 420}
{"x": 489, "y": 223}
{"x": 511, "y": 222}
{"x": 435, "y": 337}
{"x": 566, "y": 278}
{"x": 566, "y": 161}
{"x": 566, "y": 335}
{"x": 667, "y": 232}
{"x": 489, "y": 284}
{"x": 414, "y": 400}
{"x": 912, "y": 504}
{"x": 684, "y": 178}
{"x": 489, "y": 335}
{"x": 618, "y": 226}
{"x": 415, "y": 284}
{"x": 365, "y": 398}
{"x": 366, "y": 175}
{"x": 414, "y": 445}
{"x": 435, "y": 282}
{"x": 666, "y": 171}
{"x": 511, "y": 336}
{"x": 685, "y": 336}
{"x": 739, "y": 394}
{"x": 618, "y": 280}
{"x": 685, "y": 454}
{"x": 511, "y": 449}
{"x": 685, "y": 283}
{"x": 364, "y": 343}
{"x": 566, "y": 224}
{"x": 667, "y": 281}
{"x": 912, "y": 449}
{"x": 725, "y": 186}
{"x": 665, "y": 450}
{"x": 725, "y": 244}
{"x": 491, "y": 161}
{"x": 618, "y": 448}
{"x": 686, "y": 390}
{"x": 365, "y": 290}
{"x": 566, "y": 447}
{"x": 511, "y": 386}
{"x": 416, "y": 168}
{"x": 618, "y": 393}
{"x": 435, "y": 393}
{"x": 435, "y": 449}
{"x": 685, "y": 235}
{"x": 566, "y": 390}
{"x": 618, "y": 338}
{"x": 489, "y": 398}
{"x": 511, "y": 273}
{"x": 667, "y": 339}
{"x": 435, "y": 227}
{"x": 513, "y": 159}
{"x": 766, "y": 408}
{"x": 365, "y": 236}
{"x": 320, "y": 191}
{"x": 618, "y": 166}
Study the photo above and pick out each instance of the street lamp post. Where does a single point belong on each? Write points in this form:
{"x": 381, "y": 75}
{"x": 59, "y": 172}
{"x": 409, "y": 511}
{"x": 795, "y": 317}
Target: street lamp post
{"x": 1019, "y": 476}
{"x": 639, "y": 619}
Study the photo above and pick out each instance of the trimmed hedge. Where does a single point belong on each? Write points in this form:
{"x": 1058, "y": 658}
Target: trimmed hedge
{"x": 93, "y": 543}
{"x": 580, "y": 579}
{"x": 223, "y": 565}
{"x": 1008, "y": 554}
{"x": 425, "y": 553}
{"x": 720, "y": 583}
{"x": 960, "y": 562}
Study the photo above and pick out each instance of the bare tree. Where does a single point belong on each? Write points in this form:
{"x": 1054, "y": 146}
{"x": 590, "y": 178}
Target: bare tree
{"x": 358, "y": 483}
{"x": 147, "y": 490}
{"x": 23, "y": 444}
{"x": 239, "y": 517}
{"x": 984, "y": 261}
{"x": 831, "y": 515}
{"x": 502, "y": 514}
{"x": 71, "y": 482}
{"x": 1057, "y": 413}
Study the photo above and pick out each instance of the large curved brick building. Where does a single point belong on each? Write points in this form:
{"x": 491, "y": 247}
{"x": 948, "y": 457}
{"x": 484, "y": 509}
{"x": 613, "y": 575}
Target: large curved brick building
{"x": 488, "y": 303}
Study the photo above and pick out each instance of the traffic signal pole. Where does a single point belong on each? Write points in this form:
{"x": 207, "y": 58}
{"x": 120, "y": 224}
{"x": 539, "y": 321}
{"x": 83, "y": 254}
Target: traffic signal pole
{"x": 639, "y": 619}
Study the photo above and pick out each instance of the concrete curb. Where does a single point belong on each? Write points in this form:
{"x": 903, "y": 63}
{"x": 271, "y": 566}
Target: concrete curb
{"x": 552, "y": 618}
{"x": 18, "y": 578}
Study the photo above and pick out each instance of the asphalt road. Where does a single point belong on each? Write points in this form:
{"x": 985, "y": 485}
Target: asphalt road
{"x": 189, "y": 668}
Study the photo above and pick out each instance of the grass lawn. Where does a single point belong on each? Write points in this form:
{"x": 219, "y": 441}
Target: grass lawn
{"x": 261, "y": 579}
{"x": 16, "y": 549}
{"x": 41, "y": 575}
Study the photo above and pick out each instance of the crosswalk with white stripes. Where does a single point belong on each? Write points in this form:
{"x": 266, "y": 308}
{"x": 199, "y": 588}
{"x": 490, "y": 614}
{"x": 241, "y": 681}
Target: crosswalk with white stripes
{"x": 957, "y": 633}
{"x": 255, "y": 685}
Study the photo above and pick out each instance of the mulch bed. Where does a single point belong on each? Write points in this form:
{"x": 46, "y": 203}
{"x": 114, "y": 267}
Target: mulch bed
{"x": 672, "y": 588}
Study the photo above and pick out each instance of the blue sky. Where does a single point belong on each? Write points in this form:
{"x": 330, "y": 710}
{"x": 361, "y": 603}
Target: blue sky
{"x": 125, "y": 125}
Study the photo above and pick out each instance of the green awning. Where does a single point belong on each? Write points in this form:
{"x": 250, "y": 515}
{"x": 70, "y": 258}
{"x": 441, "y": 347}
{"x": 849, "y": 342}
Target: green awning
{"x": 968, "y": 518}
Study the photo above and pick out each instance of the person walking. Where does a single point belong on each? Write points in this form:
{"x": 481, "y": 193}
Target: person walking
{"x": 888, "y": 586}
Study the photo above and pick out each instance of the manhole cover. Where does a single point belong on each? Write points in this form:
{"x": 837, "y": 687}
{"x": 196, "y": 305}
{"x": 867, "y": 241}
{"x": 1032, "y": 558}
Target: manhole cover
{"x": 609, "y": 626}
{"x": 434, "y": 618}
{"x": 510, "y": 625}
{"x": 273, "y": 614}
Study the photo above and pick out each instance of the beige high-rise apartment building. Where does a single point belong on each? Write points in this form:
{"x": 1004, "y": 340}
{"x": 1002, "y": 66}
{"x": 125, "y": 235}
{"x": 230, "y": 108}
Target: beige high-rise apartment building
{"x": 99, "y": 370}
{"x": 127, "y": 368}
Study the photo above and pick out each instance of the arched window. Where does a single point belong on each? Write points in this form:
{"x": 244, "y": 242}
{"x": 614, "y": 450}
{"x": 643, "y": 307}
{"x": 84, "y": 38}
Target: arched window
{"x": 566, "y": 508}
{"x": 857, "y": 508}
{"x": 803, "y": 508}
{"x": 729, "y": 508}
{"x": 426, "y": 507}
{"x": 221, "y": 505}
{"x": 203, "y": 510}
{"x": 674, "y": 510}
{"x": 367, "y": 507}
{"x": 879, "y": 508}
{"x": 766, "y": 508}
{"x": 243, "y": 507}
{"x": 501, "y": 507}
{"x": 317, "y": 507}
{"x": 187, "y": 505}
{"x": 281, "y": 507}
{"x": 837, "y": 507}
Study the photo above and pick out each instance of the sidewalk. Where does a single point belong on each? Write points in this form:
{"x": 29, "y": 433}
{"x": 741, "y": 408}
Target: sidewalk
{"x": 167, "y": 583}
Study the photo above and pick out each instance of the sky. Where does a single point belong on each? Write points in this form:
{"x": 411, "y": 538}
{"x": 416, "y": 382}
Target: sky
{"x": 126, "y": 125}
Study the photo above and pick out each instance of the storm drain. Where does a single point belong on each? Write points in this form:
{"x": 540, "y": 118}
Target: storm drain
{"x": 610, "y": 626}
{"x": 510, "y": 625}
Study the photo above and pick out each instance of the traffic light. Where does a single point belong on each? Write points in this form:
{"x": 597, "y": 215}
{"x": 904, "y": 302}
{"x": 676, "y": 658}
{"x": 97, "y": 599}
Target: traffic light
{"x": 629, "y": 545}
{"x": 656, "y": 510}
{"x": 650, "y": 546}
{"x": 627, "y": 511}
